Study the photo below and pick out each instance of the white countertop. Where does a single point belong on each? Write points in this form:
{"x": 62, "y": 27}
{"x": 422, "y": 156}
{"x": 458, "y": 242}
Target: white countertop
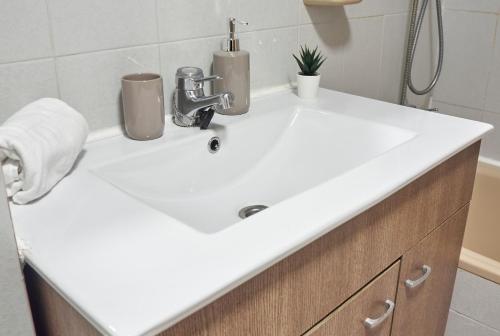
{"x": 132, "y": 270}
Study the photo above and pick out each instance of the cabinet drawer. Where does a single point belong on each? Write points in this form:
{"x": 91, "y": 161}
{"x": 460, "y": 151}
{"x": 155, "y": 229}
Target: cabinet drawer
{"x": 369, "y": 312}
{"x": 427, "y": 277}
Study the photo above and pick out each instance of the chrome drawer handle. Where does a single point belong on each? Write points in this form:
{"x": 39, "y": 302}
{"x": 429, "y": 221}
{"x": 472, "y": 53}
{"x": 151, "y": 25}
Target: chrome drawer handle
{"x": 426, "y": 270}
{"x": 373, "y": 323}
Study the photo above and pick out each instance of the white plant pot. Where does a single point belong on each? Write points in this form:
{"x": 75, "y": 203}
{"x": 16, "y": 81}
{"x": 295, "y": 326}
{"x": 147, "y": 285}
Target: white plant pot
{"x": 308, "y": 86}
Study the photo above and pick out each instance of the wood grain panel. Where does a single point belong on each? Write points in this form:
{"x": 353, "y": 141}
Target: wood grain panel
{"x": 424, "y": 310}
{"x": 52, "y": 315}
{"x": 347, "y": 320}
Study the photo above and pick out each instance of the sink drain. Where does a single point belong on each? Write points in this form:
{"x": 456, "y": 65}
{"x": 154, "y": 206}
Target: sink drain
{"x": 214, "y": 145}
{"x": 251, "y": 210}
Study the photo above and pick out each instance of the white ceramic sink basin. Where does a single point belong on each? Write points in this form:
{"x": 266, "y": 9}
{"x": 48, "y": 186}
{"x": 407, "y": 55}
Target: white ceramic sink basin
{"x": 262, "y": 160}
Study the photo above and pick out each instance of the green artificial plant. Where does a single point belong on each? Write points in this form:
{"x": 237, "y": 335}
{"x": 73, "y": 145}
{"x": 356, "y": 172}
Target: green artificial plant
{"x": 310, "y": 61}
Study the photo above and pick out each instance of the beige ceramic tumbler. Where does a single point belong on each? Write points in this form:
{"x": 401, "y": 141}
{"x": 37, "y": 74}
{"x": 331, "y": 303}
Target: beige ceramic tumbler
{"x": 143, "y": 111}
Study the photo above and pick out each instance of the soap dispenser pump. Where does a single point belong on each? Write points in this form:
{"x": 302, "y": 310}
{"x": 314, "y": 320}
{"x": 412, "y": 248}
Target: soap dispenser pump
{"x": 233, "y": 65}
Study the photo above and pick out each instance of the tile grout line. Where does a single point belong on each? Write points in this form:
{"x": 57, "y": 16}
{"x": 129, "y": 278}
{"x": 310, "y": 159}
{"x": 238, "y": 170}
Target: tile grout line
{"x": 474, "y": 320}
{"x": 53, "y": 46}
{"x": 492, "y": 65}
{"x": 457, "y": 105}
{"x": 30, "y": 60}
{"x": 381, "y": 60}
{"x": 157, "y": 18}
{"x": 299, "y": 16}
{"x": 375, "y": 15}
{"x": 159, "y": 43}
{"x": 467, "y": 107}
{"x": 98, "y": 51}
{"x": 356, "y": 18}
{"x": 299, "y": 19}
{"x": 469, "y": 11}
{"x": 483, "y": 108}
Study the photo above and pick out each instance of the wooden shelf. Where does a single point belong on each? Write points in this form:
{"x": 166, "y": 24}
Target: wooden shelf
{"x": 330, "y": 2}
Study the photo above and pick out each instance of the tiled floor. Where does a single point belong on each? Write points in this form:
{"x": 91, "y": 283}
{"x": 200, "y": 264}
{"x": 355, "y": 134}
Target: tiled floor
{"x": 461, "y": 325}
{"x": 475, "y": 307}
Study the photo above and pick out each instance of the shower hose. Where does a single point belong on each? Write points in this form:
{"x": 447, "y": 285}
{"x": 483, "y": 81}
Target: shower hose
{"x": 413, "y": 35}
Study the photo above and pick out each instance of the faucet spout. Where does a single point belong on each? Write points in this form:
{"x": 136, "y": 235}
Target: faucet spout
{"x": 191, "y": 106}
{"x": 221, "y": 101}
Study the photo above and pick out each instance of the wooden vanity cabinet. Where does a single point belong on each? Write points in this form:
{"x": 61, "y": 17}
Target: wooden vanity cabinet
{"x": 332, "y": 282}
{"x": 424, "y": 287}
{"x": 428, "y": 273}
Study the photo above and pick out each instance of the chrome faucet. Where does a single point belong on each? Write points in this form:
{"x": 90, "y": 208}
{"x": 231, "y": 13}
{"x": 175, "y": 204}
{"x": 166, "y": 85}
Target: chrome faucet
{"x": 191, "y": 107}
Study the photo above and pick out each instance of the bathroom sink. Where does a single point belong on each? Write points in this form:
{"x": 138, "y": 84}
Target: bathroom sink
{"x": 153, "y": 218}
{"x": 263, "y": 159}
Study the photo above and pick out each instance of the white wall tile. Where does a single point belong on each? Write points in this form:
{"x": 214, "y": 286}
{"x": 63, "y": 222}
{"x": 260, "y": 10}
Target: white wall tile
{"x": 266, "y": 14}
{"x": 393, "y": 53}
{"x": 493, "y": 93}
{"x": 181, "y": 19}
{"x": 490, "y": 6}
{"x": 91, "y": 82}
{"x": 460, "y": 325}
{"x": 362, "y": 58}
{"x": 491, "y": 143}
{"x": 82, "y": 26}
{"x": 476, "y": 297}
{"x": 271, "y": 61}
{"x": 353, "y": 48}
{"x": 189, "y": 32}
{"x": 266, "y": 68}
{"x": 377, "y": 8}
{"x": 331, "y": 38}
{"x": 22, "y": 83}
{"x": 197, "y": 53}
{"x": 468, "y": 57}
{"x": 24, "y": 30}
{"x": 317, "y": 14}
{"x": 458, "y": 111}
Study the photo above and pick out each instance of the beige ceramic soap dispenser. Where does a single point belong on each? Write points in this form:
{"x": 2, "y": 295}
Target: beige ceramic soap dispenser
{"x": 233, "y": 65}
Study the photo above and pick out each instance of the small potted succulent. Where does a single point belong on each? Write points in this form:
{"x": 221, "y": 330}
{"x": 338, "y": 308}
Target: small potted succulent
{"x": 308, "y": 78}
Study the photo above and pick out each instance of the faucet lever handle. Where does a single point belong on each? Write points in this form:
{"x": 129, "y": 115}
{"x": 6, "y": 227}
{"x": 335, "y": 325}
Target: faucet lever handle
{"x": 208, "y": 78}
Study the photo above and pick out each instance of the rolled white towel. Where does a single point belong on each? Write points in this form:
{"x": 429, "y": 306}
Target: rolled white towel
{"x": 38, "y": 147}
